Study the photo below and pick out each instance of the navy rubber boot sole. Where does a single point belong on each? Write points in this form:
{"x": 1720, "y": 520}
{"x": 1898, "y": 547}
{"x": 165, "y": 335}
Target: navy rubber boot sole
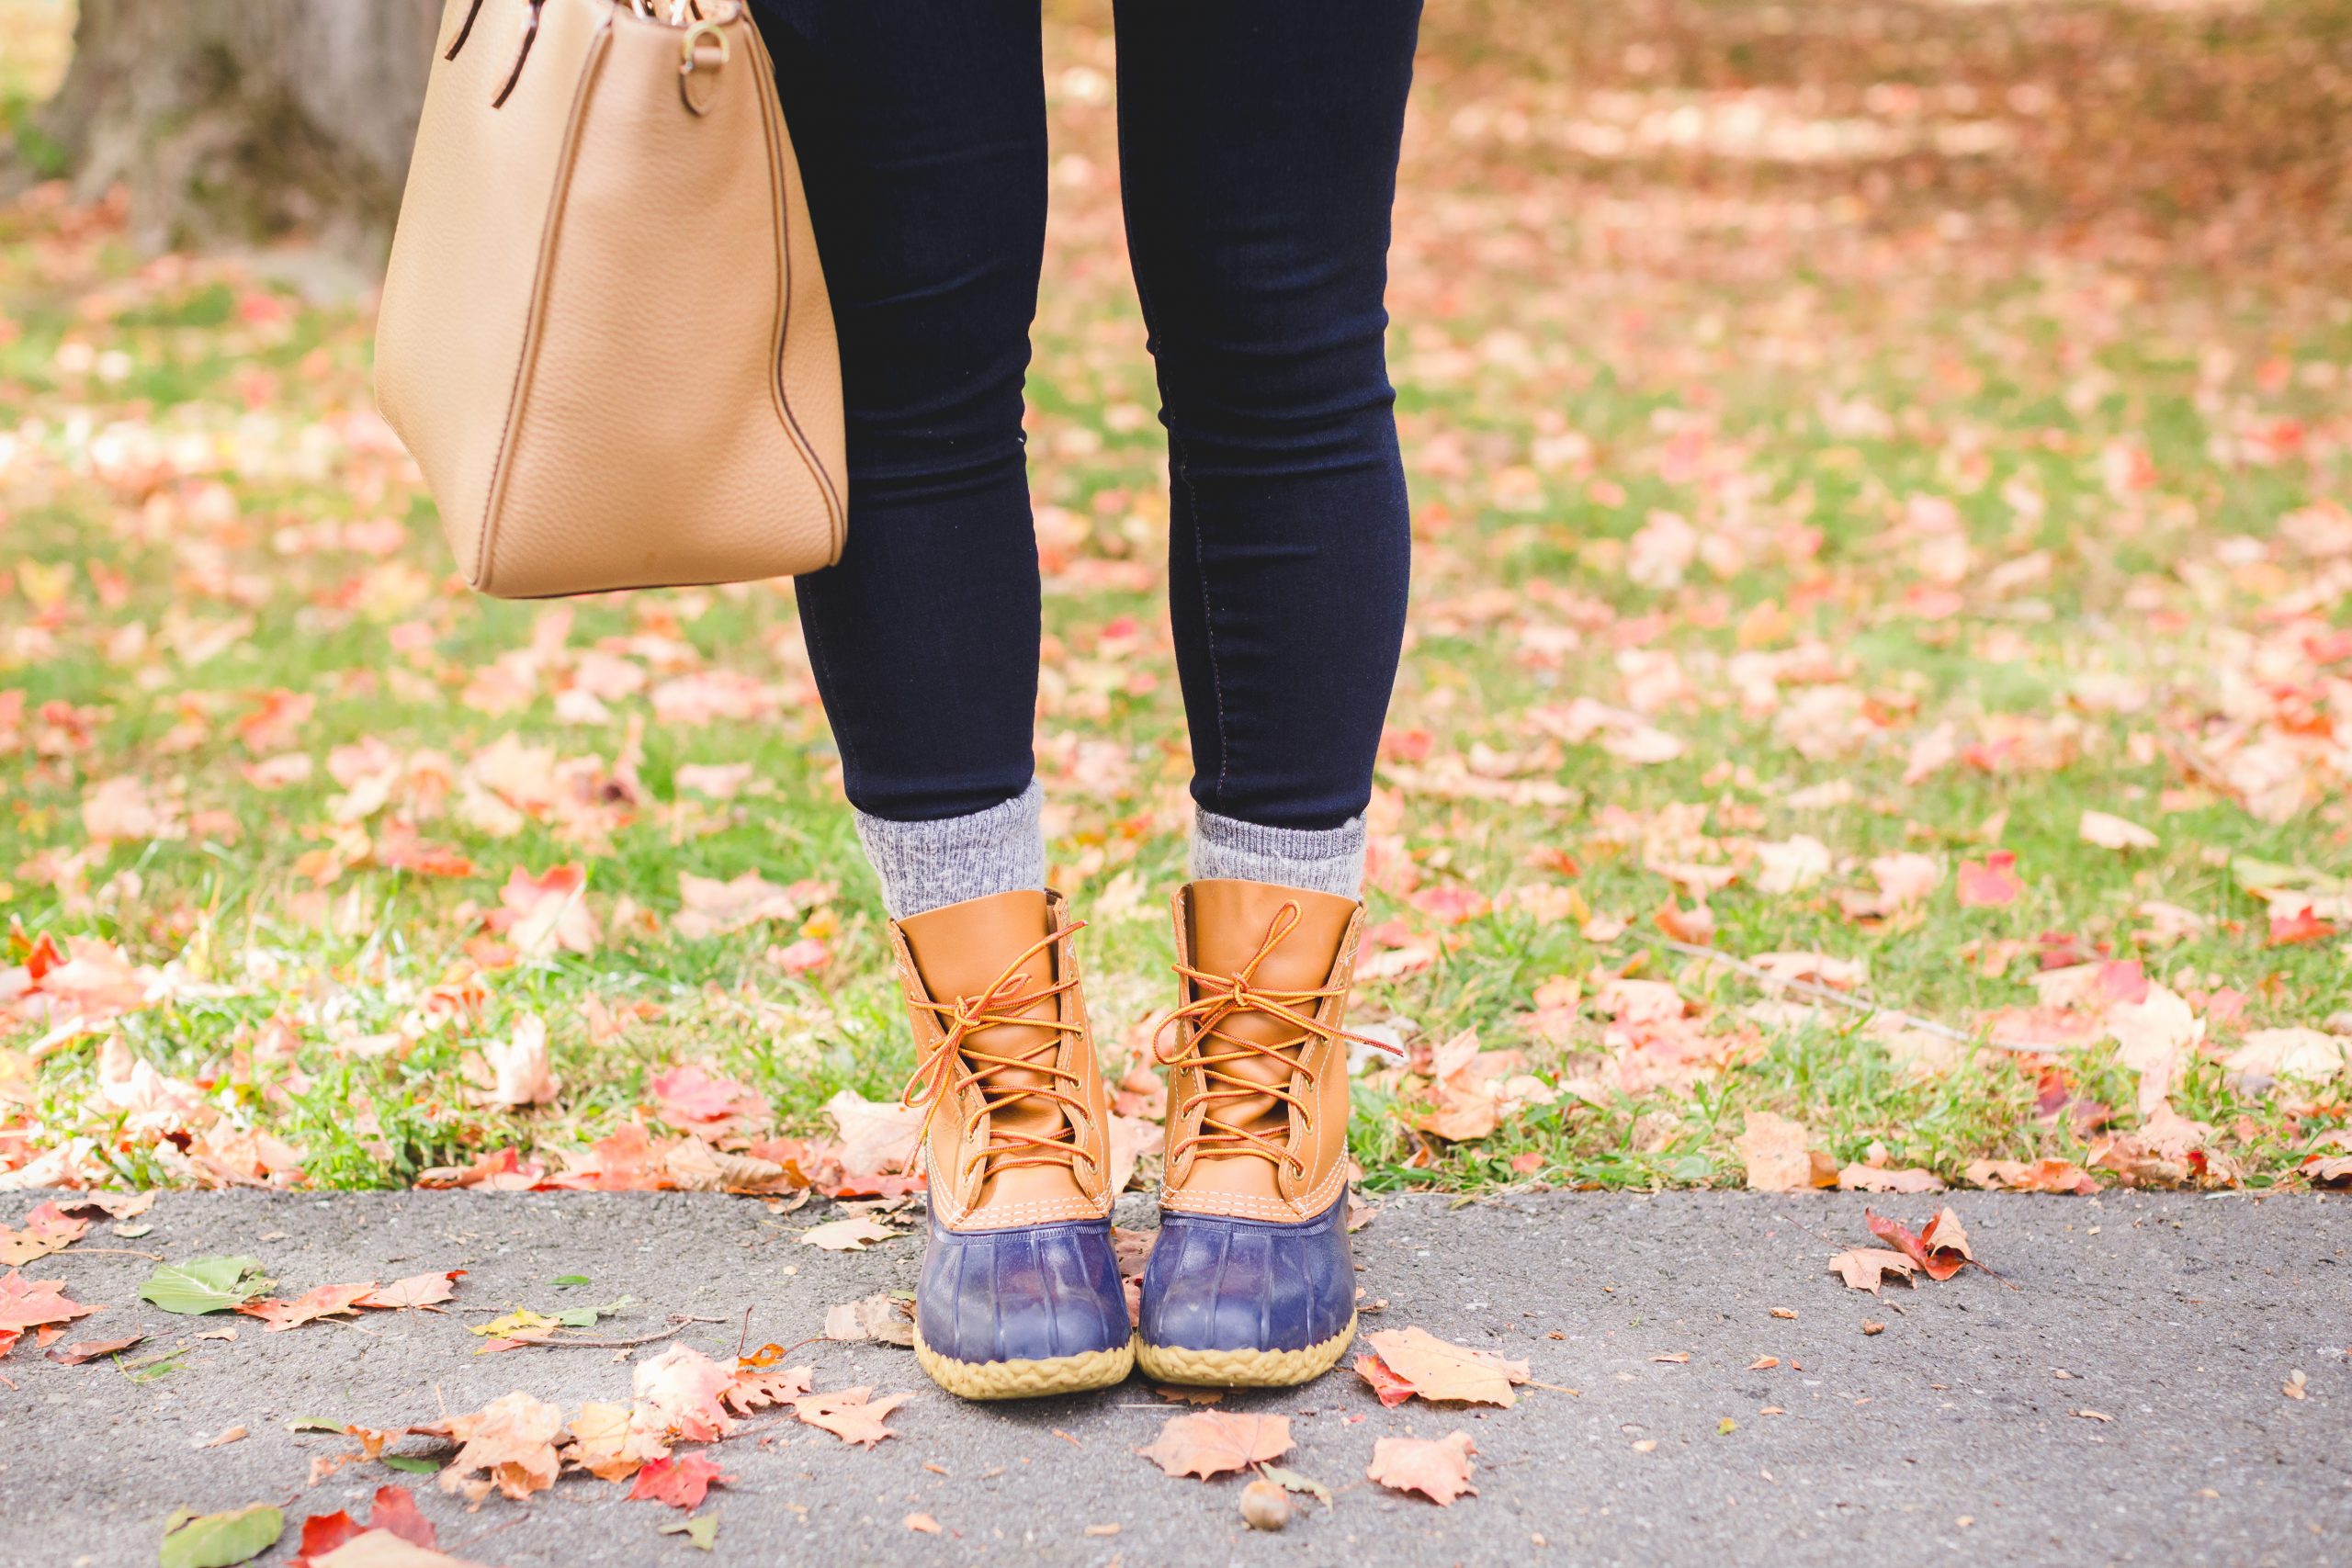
{"x": 1247, "y": 1303}
{"x": 1024, "y": 1311}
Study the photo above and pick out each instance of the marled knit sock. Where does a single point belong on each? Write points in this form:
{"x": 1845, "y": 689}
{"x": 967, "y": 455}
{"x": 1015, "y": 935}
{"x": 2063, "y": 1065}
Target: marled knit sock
{"x": 1321, "y": 860}
{"x": 928, "y": 865}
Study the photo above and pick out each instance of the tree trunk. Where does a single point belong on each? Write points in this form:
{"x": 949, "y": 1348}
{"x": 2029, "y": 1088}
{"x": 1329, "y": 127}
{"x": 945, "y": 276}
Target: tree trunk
{"x": 233, "y": 121}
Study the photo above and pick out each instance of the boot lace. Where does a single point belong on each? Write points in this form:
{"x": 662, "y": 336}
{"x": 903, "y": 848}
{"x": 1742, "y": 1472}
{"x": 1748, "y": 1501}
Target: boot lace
{"x": 952, "y": 1066}
{"x": 1213, "y": 1051}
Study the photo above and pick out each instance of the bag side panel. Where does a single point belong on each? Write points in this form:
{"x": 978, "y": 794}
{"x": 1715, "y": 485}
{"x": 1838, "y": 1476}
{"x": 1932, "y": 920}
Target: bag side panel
{"x": 457, "y": 292}
{"x": 810, "y": 369}
{"x": 649, "y": 448}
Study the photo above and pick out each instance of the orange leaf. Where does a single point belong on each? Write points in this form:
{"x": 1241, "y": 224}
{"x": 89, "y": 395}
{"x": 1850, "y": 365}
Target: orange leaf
{"x": 609, "y": 1445}
{"x": 511, "y": 1438}
{"x": 850, "y": 1414}
{"x": 1940, "y": 1252}
{"x": 2033, "y": 1175}
{"x": 755, "y": 1387}
{"x": 46, "y": 1229}
{"x": 27, "y": 1303}
{"x": 1437, "y": 1468}
{"x": 1214, "y": 1441}
{"x": 327, "y": 1300}
{"x": 416, "y": 1291}
{"x": 1436, "y": 1369}
{"x": 1863, "y": 1267}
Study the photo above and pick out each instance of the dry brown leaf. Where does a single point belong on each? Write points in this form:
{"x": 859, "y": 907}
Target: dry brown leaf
{"x": 1862, "y": 1268}
{"x": 850, "y": 1414}
{"x": 520, "y": 1075}
{"x": 849, "y": 1236}
{"x": 48, "y": 1229}
{"x": 513, "y": 1439}
{"x": 755, "y": 1387}
{"x": 83, "y": 1350}
{"x": 1878, "y": 1179}
{"x": 326, "y": 1300}
{"x": 2033, "y": 1175}
{"x": 681, "y": 1393}
{"x": 1774, "y": 1150}
{"x": 2114, "y": 833}
{"x": 1437, "y": 1468}
{"x": 416, "y": 1291}
{"x": 608, "y": 1445}
{"x": 1214, "y": 1441}
{"x": 29, "y": 1304}
{"x": 880, "y": 1319}
{"x": 1438, "y": 1370}
{"x": 877, "y": 1136}
{"x": 382, "y": 1549}
{"x": 1939, "y": 1251}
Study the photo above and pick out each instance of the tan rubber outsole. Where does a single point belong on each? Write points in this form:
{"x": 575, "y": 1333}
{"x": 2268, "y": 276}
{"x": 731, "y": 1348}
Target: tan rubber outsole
{"x": 1027, "y": 1380}
{"x": 1242, "y": 1369}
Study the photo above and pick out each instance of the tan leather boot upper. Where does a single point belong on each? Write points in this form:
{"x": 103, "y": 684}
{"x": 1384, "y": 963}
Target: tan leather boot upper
{"x": 1258, "y": 1071}
{"x": 1005, "y": 1063}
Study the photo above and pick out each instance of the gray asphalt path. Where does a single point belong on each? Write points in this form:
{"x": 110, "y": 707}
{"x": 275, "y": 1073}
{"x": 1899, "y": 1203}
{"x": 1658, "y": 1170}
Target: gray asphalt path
{"x": 1951, "y": 1435}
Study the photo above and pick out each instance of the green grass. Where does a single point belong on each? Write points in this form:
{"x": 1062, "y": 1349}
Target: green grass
{"x": 1840, "y": 373}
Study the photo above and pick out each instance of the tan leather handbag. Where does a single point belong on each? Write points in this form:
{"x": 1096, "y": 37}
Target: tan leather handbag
{"x": 604, "y": 335}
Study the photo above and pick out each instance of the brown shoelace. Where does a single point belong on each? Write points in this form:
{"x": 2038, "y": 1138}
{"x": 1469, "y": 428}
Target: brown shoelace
{"x": 952, "y": 1067}
{"x": 1223, "y": 997}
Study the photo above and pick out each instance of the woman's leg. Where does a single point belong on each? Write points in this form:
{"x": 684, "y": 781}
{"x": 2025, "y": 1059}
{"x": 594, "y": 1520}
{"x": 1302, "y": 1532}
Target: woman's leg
{"x": 1257, "y": 149}
{"x": 920, "y": 127}
{"x": 1258, "y": 154}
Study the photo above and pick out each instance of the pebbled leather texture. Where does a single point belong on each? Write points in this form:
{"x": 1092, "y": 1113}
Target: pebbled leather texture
{"x": 1219, "y": 1283}
{"x": 1027, "y": 1292}
{"x": 605, "y": 334}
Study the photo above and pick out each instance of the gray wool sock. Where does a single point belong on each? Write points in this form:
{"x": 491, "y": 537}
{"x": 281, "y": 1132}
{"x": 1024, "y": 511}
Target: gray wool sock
{"x": 1321, "y": 860}
{"x": 928, "y": 865}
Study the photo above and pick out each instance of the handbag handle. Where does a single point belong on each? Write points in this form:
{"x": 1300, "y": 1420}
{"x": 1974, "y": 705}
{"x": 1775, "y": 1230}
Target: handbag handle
{"x": 689, "y": 62}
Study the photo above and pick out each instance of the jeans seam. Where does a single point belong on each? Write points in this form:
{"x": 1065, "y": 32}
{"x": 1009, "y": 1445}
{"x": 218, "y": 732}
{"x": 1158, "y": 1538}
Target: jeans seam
{"x": 1208, "y": 611}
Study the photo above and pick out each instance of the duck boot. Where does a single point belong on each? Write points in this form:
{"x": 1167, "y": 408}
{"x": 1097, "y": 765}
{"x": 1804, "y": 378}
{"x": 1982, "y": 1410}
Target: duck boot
{"x": 1018, "y": 1294}
{"x": 1250, "y": 1283}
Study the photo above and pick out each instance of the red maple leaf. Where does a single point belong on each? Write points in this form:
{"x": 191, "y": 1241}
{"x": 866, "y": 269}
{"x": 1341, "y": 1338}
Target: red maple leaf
{"x": 1991, "y": 884}
{"x": 2300, "y": 925}
{"x": 680, "y": 1481}
{"x": 396, "y": 1511}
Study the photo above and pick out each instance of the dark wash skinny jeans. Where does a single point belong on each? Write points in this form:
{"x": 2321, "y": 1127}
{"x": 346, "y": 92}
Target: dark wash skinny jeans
{"x": 1258, "y": 145}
